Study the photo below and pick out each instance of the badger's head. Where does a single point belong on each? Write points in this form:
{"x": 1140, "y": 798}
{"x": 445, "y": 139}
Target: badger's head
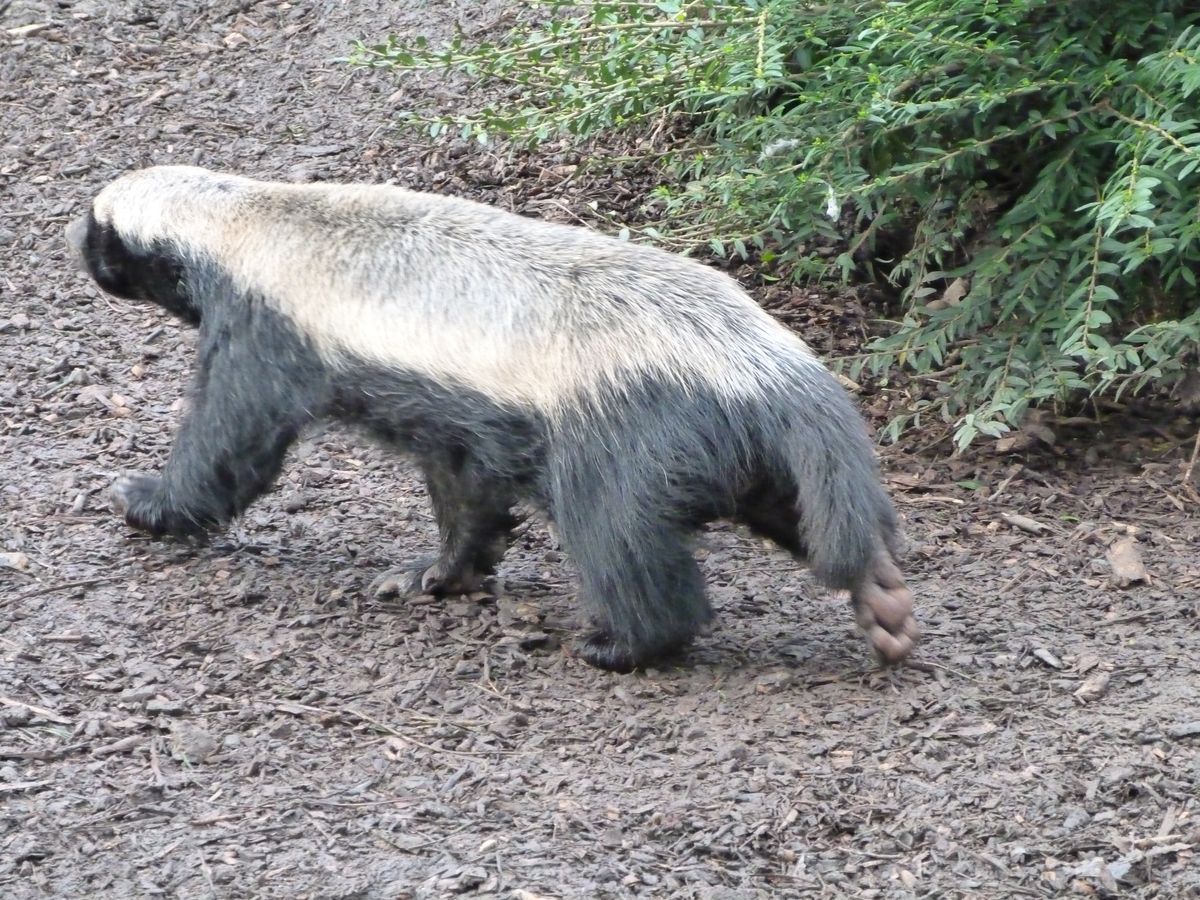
{"x": 134, "y": 241}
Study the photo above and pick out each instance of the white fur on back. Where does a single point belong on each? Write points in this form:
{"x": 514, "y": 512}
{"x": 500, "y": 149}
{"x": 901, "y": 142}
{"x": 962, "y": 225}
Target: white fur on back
{"x": 521, "y": 310}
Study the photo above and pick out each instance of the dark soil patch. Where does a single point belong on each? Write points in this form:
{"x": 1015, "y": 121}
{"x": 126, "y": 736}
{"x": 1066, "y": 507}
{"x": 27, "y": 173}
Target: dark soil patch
{"x": 239, "y": 719}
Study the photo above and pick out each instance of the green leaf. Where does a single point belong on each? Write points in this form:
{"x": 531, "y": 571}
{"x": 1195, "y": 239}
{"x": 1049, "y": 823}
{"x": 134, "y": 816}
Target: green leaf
{"x": 1046, "y": 154}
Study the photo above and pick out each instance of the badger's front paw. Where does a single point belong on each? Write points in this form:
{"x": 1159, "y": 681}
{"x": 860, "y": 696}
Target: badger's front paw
{"x": 133, "y": 496}
{"x": 397, "y": 583}
{"x": 436, "y": 577}
{"x": 142, "y": 501}
{"x": 602, "y": 650}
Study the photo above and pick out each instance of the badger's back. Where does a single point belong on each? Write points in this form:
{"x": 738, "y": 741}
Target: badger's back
{"x": 523, "y": 310}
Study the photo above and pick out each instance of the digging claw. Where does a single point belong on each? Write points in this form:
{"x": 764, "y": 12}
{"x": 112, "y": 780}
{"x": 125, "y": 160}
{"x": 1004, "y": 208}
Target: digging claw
{"x": 424, "y": 579}
{"x": 599, "y": 649}
{"x": 138, "y": 500}
{"x": 396, "y": 583}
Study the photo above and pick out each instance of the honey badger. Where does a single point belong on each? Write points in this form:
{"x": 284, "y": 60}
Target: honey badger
{"x": 631, "y": 394}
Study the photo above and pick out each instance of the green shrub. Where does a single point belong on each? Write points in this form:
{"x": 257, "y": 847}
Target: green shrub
{"x": 1025, "y": 173}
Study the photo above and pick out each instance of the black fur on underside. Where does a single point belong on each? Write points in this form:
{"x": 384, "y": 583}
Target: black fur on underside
{"x": 628, "y": 472}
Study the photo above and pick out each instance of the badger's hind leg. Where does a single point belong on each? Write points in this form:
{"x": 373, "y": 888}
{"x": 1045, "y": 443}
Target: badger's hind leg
{"x": 474, "y": 516}
{"x": 638, "y": 580}
{"x": 771, "y": 513}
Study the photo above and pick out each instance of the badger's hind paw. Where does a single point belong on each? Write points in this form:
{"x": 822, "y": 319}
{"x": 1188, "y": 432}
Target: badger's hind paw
{"x": 884, "y": 607}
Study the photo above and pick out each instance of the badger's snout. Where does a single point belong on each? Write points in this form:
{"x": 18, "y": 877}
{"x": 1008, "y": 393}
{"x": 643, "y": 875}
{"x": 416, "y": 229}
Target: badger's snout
{"x": 76, "y": 235}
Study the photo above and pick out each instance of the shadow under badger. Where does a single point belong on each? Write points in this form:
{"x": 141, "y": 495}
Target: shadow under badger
{"x": 631, "y": 394}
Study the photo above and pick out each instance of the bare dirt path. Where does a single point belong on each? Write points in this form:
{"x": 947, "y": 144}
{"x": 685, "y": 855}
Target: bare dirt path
{"x": 241, "y": 720}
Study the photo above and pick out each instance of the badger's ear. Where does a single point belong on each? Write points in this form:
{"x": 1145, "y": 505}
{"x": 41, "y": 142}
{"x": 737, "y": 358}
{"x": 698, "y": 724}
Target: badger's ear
{"x": 134, "y": 273}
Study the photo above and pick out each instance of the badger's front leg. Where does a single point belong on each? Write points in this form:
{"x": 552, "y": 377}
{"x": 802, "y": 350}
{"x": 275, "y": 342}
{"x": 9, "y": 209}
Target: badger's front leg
{"x": 256, "y": 387}
{"x": 474, "y": 518}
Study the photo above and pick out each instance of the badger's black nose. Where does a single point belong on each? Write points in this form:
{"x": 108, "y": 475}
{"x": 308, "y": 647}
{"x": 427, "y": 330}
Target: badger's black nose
{"x": 76, "y": 235}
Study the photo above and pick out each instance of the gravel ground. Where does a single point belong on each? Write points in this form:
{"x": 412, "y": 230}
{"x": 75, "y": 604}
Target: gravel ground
{"x": 240, "y": 718}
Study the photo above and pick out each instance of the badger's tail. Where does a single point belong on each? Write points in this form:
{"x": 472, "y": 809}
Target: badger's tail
{"x": 846, "y": 518}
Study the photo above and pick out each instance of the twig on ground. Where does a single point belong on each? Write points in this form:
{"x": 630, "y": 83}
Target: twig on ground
{"x": 67, "y": 585}
{"x": 40, "y": 711}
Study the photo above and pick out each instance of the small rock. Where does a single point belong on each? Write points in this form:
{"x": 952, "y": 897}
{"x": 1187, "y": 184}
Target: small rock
{"x": 535, "y": 640}
{"x": 192, "y": 744}
{"x": 18, "y": 561}
{"x": 1184, "y": 730}
{"x": 1092, "y": 688}
{"x": 138, "y": 694}
{"x": 1126, "y": 562}
{"x": 166, "y": 707}
{"x": 320, "y": 150}
{"x": 511, "y": 612}
{"x": 1076, "y": 818}
{"x": 1119, "y": 868}
{"x": 774, "y": 682}
{"x": 1048, "y": 658}
{"x": 469, "y": 879}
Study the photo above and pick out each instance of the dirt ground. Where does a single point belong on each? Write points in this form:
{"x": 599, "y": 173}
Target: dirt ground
{"x": 240, "y": 719}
